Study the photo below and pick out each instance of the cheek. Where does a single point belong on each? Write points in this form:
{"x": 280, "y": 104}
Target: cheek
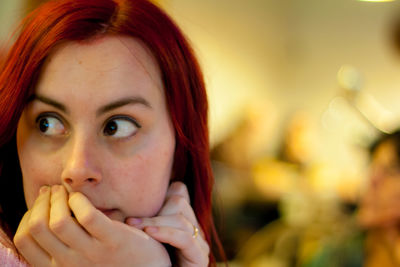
{"x": 36, "y": 172}
{"x": 143, "y": 181}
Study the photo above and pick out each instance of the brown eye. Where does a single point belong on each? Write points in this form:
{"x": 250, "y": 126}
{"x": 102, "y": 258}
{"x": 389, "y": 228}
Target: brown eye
{"x": 49, "y": 125}
{"x": 121, "y": 127}
{"x": 111, "y": 128}
{"x": 43, "y": 125}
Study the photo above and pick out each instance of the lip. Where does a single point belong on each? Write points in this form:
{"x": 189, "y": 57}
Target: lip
{"x": 107, "y": 212}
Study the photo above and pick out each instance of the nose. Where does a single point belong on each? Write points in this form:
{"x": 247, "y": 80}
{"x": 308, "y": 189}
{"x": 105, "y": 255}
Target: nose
{"x": 81, "y": 168}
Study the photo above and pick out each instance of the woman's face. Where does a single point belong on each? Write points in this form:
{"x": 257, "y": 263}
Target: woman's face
{"x": 98, "y": 124}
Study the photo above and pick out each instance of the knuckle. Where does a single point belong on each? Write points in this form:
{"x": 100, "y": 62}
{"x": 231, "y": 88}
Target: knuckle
{"x": 58, "y": 225}
{"x": 113, "y": 248}
{"x": 87, "y": 219}
{"x": 98, "y": 256}
{"x": 37, "y": 226}
{"x": 183, "y": 221}
{"x": 179, "y": 201}
{"x": 188, "y": 241}
{"x": 179, "y": 188}
{"x": 95, "y": 254}
{"x": 181, "y": 218}
{"x": 21, "y": 241}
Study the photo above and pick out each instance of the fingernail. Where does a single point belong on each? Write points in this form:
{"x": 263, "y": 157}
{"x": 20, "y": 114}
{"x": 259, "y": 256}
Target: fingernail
{"x": 134, "y": 221}
{"x": 55, "y": 188}
{"x": 44, "y": 189}
{"x": 151, "y": 229}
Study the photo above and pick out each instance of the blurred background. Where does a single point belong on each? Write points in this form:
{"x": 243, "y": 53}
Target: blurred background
{"x": 298, "y": 91}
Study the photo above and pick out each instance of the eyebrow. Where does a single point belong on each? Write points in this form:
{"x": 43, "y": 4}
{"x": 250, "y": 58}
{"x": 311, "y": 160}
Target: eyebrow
{"x": 123, "y": 102}
{"x": 49, "y": 101}
{"x": 106, "y": 108}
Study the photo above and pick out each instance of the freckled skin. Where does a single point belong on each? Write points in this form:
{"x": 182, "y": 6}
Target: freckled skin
{"x": 130, "y": 175}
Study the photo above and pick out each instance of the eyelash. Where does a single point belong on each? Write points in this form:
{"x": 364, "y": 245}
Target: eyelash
{"x": 123, "y": 117}
{"x": 52, "y": 115}
{"x": 61, "y": 119}
{"x": 49, "y": 114}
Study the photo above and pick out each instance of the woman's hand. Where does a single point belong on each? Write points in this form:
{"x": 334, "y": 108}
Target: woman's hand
{"x": 176, "y": 224}
{"x": 49, "y": 236}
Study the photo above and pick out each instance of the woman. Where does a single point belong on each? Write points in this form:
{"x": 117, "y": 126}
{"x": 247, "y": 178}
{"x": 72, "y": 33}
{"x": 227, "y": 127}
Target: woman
{"x": 103, "y": 134}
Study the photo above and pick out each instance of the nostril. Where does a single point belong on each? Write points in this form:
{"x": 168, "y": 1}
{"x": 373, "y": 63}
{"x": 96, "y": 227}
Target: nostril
{"x": 71, "y": 181}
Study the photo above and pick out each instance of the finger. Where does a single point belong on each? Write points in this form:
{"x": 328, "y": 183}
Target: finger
{"x": 91, "y": 219}
{"x": 63, "y": 225}
{"x": 178, "y": 202}
{"x": 178, "y": 205}
{"x": 178, "y": 189}
{"x": 39, "y": 225}
{"x": 191, "y": 250}
{"x": 27, "y": 246}
{"x": 177, "y": 221}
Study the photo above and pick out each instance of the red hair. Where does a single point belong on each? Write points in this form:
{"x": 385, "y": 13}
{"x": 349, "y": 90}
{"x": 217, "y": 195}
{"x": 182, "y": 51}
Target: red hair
{"x": 78, "y": 20}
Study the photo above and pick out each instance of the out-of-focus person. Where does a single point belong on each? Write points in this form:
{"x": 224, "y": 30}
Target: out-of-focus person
{"x": 379, "y": 213}
{"x": 376, "y": 239}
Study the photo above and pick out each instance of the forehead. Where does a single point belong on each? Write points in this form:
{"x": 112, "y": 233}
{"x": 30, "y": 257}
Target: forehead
{"x": 102, "y": 60}
{"x": 115, "y": 49}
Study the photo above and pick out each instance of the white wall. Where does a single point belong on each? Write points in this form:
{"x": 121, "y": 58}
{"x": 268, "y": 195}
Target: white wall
{"x": 286, "y": 54}
{"x": 10, "y": 12}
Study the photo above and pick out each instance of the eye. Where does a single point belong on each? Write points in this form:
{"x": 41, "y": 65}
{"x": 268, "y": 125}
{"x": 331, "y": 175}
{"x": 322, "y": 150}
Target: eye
{"x": 121, "y": 127}
{"x": 50, "y": 125}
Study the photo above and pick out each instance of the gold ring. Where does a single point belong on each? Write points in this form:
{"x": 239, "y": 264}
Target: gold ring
{"x": 195, "y": 232}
